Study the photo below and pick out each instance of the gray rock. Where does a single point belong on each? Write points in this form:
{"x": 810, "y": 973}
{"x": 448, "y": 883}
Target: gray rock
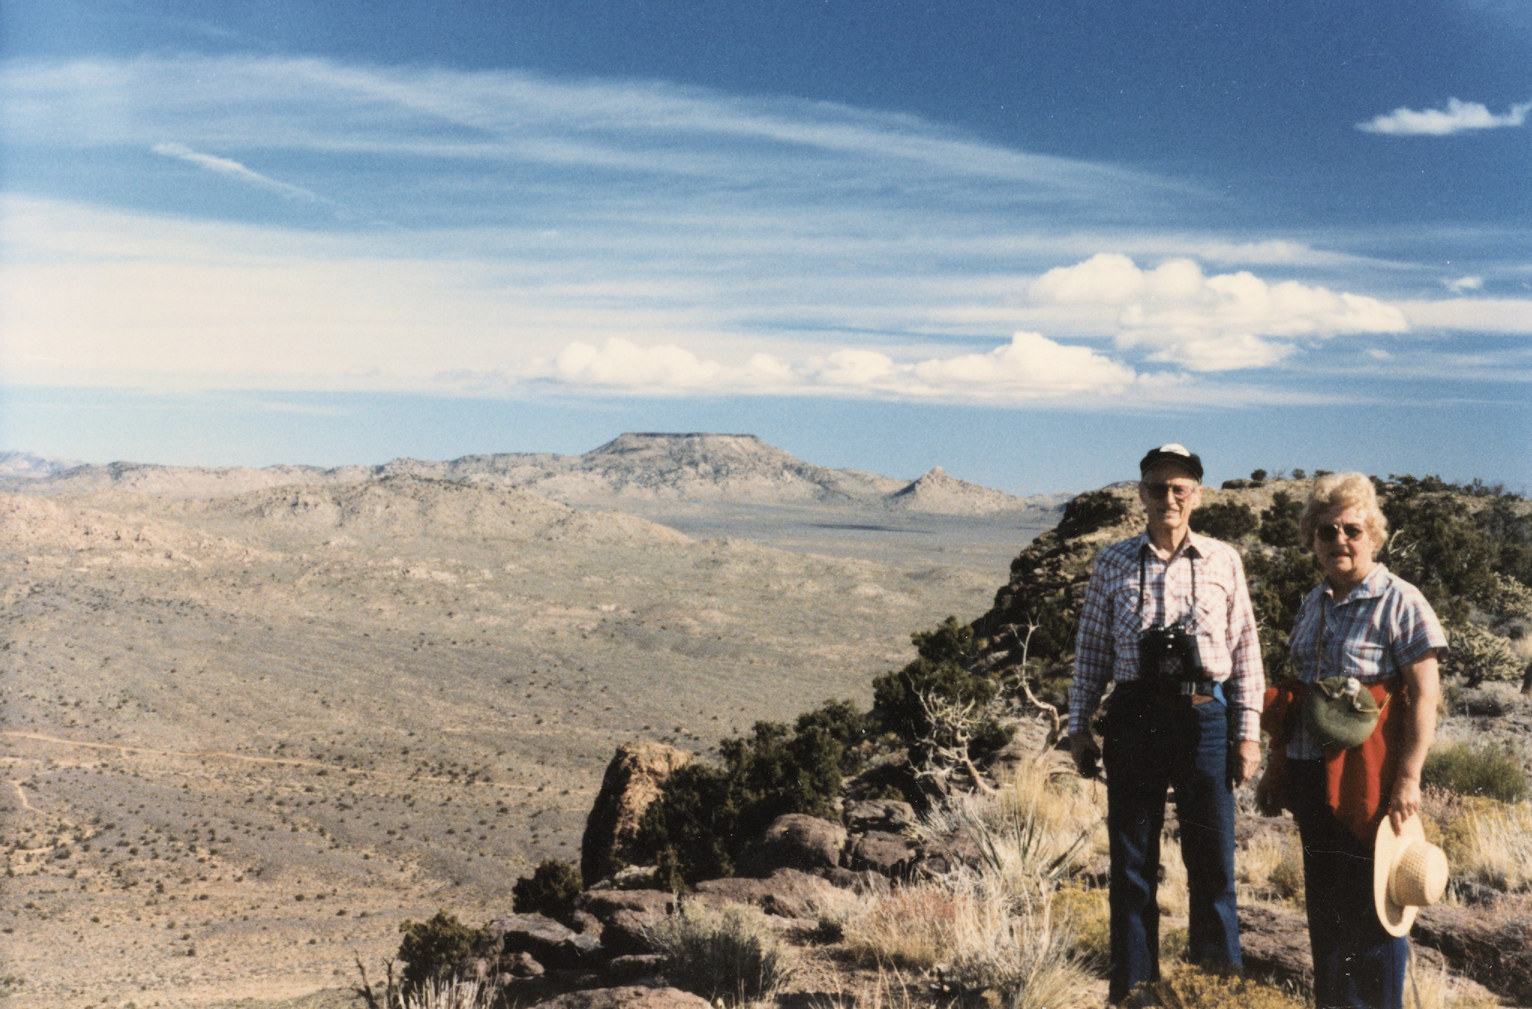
{"x": 1274, "y": 945}
{"x": 786, "y": 893}
{"x": 891, "y": 855}
{"x": 548, "y": 942}
{"x": 889, "y": 815}
{"x": 798, "y": 841}
{"x": 628, "y": 997}
{"x": 1493, "y": 948}
{"x": 860, "y": 881}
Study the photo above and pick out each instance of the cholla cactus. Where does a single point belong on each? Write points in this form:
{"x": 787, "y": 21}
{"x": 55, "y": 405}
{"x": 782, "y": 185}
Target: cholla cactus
{"x": 1479, "y": 655}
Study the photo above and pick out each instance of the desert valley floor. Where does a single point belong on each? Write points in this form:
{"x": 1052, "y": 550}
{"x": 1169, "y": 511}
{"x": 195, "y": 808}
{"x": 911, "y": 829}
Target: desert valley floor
{"x": 246, "y": 735}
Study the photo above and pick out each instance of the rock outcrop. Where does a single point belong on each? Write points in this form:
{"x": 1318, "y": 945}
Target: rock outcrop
{"x": 631, "y": 782}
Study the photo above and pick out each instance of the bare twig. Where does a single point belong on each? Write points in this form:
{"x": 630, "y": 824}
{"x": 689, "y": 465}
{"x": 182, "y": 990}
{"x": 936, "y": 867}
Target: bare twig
{"x": 1056, "y": 724}
{"x": 947, "y": 741}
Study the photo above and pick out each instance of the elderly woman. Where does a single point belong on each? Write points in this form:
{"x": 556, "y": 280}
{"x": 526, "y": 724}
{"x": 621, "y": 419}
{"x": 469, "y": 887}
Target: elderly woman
{"x": 1364, "y": 622}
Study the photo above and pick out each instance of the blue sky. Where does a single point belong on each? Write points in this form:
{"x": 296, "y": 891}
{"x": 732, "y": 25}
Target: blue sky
{"x": 1021, "y": 241}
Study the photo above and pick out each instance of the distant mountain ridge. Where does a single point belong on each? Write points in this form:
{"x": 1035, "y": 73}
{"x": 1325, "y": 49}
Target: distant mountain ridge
{"x": 29, "y": 466}
{"x": 633, "y": 467}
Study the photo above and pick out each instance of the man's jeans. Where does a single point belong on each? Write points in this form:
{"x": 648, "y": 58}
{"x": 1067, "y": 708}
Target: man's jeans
{"x": 1147, "y": 748}
{"x": 1357, "y": 964}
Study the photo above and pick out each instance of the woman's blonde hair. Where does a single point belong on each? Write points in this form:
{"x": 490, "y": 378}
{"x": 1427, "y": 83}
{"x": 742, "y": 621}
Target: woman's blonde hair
{"x": 1343, "y": 490}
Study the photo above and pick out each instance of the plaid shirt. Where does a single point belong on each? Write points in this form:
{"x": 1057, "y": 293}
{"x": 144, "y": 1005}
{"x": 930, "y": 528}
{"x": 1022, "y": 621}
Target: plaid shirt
{"x": 1106, "y": 648}
{"x": 1383, "y": 625}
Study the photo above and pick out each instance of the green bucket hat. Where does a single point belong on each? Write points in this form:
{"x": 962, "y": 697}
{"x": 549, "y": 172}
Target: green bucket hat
{"x": 1340, "y": 712}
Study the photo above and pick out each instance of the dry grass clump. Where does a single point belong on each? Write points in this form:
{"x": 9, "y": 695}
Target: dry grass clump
{"x": 1269, "y": 865}
{"x": 913, "y": 927}
{"x": 1433, "y": 987}
{"x": 1086, "y": 913}
{"x": 1172, "y": 895}
{"x": 1489, "y": 842}
{"x": 449, "y": 994}
{"x": 732, "y": 954}
{"x": 1028, "y": 835}
{"x": 435, "y": 993}
{"x": 1189, "y": 987}
{"x": 991, "y": 925}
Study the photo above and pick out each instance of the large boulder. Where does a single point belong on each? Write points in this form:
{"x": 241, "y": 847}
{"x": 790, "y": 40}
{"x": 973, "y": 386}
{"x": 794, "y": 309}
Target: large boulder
{"x": 890, "y": 815}
{"x": 892, "y": 855}
{"x": 632, "y": 781}
{"x": 1274, "y": 944}
{"x": 1493, "y": 947}
{"x": 627, "y": 917}
{"x": 786, "y": 893}
{"x": 543, "y": 939}
{"x": 798, "y": 841}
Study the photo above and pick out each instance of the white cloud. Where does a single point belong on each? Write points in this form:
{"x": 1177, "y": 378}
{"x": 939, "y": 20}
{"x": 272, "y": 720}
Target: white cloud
{"x": 1457, "y": 117}
{"x": 1464, "y": 284}
{"x": 1029, "y": 369}
{"x": 1511, "y": 316}
{"x": 1206, "y": 323}
{"x": 233, "y": 169}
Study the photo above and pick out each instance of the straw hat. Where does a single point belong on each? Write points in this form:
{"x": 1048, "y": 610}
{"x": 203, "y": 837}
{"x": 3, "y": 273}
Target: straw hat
{"x": 1408, "y": 873}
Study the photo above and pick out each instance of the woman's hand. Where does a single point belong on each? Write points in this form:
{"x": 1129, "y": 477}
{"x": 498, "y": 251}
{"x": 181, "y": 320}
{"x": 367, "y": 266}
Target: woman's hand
{"x": 1404, "y": 803}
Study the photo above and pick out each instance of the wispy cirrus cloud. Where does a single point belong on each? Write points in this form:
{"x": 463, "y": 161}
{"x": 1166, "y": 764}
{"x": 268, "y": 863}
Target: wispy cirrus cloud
{"x": 1457, "y": 117}
{"x": 230, "y": 168}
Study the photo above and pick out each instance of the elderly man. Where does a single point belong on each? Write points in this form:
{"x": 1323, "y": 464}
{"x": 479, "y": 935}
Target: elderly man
{"x": 1167, "y": 622}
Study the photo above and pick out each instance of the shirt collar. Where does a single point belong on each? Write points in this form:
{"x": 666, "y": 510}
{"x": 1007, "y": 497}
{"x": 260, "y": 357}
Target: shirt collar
{"x": 1369, "y": 588}
{"x": 1193, "y": 545}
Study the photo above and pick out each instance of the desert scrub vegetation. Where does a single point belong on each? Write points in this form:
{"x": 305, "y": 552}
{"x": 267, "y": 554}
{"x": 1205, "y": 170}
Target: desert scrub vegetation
{"x": 968, "y": 927}
{"x": 707, "y": 814}
{"x": 1490, "y": 771}
{"x": 1269, "y": 866}
{"x": 1488, "y": 842}
{"x": 1188, "y": 987}
{"x": 550, "y": 890}
{"x": 731, "y": 954}
{"x": 431, "y": 950}
{"x": 993, "y": 923}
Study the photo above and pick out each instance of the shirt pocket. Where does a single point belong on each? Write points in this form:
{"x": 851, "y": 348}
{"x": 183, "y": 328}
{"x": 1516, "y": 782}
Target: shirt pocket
{"x": 1363, "y": 659}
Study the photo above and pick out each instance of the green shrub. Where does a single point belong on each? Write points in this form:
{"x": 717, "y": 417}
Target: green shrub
{"x": 1230, "y": 521}
{"x": 550, "y": 890}
{"x": 1279, "y": 523}
{"x": 433, "y": 949}
{"x": 1287, "y": 878}
{"x": 1278, "y": 579}
{"x": 1493, "y": 772}
{"x": 1436, "y": 544}
{"x": 732, "y": 954}
{"x": 940, "y": 671}
{"x": 707, "y": 815}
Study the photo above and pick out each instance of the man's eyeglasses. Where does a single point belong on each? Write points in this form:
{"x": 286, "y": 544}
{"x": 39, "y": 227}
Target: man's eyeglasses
{"x": 1330, "y": 533}
{"x": 1182, "y": 491}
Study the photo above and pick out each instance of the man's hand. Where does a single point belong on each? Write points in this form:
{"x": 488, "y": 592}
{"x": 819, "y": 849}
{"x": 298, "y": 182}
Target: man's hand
{"x": 1247, "y": 761}
{"x": 1086, "y": 753}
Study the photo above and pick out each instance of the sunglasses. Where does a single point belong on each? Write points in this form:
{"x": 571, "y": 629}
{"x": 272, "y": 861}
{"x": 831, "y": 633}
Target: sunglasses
{"x": 1330, "y": 533}
{"x": 1182, "y": 491}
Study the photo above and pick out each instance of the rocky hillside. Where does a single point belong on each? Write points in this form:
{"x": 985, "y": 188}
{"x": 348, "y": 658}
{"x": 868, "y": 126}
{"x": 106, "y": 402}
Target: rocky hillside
{"x": 632, "y": 468}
